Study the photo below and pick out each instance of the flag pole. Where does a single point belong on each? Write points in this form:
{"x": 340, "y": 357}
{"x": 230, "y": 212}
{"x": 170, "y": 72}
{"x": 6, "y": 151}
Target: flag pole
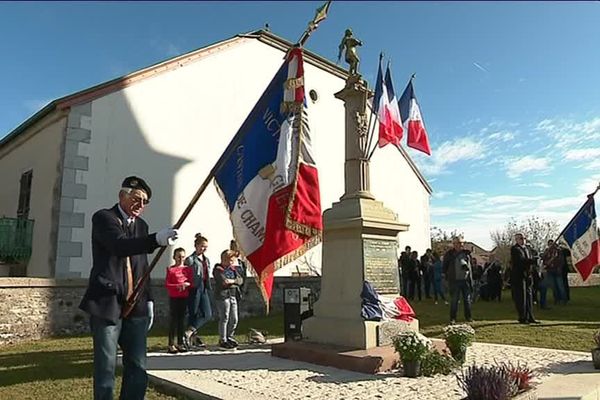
{"x": 320, "y": 15}
{"x": 233, "y": 144}
{"x": 589, "y": 196}
{"x": 372, "y": 130}
{"x": 134, "y": 298}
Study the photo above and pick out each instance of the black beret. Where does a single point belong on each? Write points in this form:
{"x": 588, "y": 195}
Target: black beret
{"x": 133, "y": 182}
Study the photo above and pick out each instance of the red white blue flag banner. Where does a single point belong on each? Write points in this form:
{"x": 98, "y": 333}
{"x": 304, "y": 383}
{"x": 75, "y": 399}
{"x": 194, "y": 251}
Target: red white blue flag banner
{"x": 270, "y": 183}
{"x": 581, "y": 236}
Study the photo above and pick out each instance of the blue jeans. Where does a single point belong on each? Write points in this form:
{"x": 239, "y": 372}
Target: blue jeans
{"x": 555, "y": 281}
{"x": 438, "y": 289}
{"x": 228, "y": 317}
{"x": 199, "y": 309}
{"x": 130, "y": 335}
{"x": 460, "y": 288}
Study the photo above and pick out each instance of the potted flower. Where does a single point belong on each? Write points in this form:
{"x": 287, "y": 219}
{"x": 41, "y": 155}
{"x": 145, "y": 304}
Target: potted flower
{"x": 458, "y": 338}
{"x": 411, "y": 347}
{"x": 596, "y": 351}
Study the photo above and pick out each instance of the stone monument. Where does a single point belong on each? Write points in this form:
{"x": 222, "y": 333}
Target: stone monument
{"x": 359, "y": 239}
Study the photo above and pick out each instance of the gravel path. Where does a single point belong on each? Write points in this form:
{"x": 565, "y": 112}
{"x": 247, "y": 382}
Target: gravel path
{"x": 253, "y": 374}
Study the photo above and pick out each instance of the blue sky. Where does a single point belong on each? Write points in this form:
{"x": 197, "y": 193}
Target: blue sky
{"x": 510, "y": 91}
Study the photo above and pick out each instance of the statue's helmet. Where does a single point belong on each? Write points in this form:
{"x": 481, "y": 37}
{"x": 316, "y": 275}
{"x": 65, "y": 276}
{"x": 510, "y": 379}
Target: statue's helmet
{"x": 348, "y": 32}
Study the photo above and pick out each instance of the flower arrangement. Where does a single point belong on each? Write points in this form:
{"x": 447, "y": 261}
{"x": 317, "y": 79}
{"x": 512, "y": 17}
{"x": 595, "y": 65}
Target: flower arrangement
{"x": 434, "y": 363}
{"x": 411, "y": 346}
{"x": 458, "y": 338}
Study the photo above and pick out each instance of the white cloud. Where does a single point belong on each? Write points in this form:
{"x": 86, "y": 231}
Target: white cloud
{"x": 593, "y": 165}
{"x": 589, "y": 184}
{"x": 568, "y": 133}
{"x": 451, "y": 152}
{"x": 566, "y": 202}
{"x": 515, "y": 167}
{"x": 503, "y": 136}
{"x": 511, "y": 199}
{"x": 536, "y": 184}
{"x": 444, "y": 211}
{"x": 473, "y": 194}
{"x": 583, "y": 154}
{"x": 441, "y": 194}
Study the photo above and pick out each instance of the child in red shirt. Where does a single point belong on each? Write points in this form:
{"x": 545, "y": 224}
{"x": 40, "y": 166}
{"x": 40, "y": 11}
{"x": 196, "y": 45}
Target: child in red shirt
{"x": 178, "y": 281}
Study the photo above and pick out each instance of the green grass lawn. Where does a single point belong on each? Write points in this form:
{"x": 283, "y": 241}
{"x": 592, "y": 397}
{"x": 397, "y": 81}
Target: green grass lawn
{"x": 568, "y": 327}
{"x": 62, "y": 368}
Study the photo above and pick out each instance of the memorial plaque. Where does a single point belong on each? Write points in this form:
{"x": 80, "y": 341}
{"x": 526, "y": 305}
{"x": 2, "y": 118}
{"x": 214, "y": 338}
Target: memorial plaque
{"x": 381, "y": 265}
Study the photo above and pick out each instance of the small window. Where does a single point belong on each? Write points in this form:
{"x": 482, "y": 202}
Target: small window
{"x": 25, "y": 195}
{"x": 314, "y": 96}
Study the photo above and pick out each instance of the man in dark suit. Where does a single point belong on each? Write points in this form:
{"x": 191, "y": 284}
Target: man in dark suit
{"x": 120, "y": 244}
{"x": 523, "y": 263}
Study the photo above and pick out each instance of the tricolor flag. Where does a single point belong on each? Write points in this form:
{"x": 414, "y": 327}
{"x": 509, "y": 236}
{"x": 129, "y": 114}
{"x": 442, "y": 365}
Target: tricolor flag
{"x": 385, "y": 106}
{"x": 270, "y": 184}
{"x": 413, "y": 122}
{"x": 581, "y": 236}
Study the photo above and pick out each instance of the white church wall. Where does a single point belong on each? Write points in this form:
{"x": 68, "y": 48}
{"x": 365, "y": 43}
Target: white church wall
{"x": 171, "y": 129}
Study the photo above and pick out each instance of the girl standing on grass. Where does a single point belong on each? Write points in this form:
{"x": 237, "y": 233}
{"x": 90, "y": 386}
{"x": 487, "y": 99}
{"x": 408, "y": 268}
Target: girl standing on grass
{"x": 179, "y": 280}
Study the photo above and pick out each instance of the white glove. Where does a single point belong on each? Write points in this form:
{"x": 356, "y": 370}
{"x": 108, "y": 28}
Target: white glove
{"x": 150, "y": 314}
{"x": 167, "y": 237}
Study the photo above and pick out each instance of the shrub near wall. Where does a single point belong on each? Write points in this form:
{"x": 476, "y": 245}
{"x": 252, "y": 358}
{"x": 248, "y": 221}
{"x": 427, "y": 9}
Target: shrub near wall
{"x": 33, "y": 308}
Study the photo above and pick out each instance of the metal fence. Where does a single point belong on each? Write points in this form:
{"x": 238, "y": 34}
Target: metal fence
{"x": 15, "y": 239}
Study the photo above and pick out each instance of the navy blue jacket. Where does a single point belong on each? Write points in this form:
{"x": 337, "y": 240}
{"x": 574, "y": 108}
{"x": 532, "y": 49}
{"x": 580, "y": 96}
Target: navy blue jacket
{"x": 112, "y": 242}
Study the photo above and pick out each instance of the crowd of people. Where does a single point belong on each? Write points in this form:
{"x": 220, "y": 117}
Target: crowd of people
{"x": 456, "y": 276}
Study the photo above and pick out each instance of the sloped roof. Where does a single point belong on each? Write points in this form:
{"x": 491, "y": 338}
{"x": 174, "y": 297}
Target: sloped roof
{"x": 124, "y": 81}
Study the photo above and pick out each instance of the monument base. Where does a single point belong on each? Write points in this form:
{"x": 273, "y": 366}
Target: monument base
{"x": 354, "y": 334}
{"x": 371, "y": 361}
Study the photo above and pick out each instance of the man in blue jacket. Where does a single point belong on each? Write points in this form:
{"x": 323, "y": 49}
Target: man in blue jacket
{"x": 120, "y": 244}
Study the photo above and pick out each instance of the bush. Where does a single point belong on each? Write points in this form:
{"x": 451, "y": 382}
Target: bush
{"x": 411, "y": 346}
{"x": 434, "y": 363}
{"x": 487, "y": 383}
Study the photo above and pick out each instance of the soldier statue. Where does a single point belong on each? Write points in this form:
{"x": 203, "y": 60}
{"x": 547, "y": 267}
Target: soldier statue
{"x": 349, "y": 44}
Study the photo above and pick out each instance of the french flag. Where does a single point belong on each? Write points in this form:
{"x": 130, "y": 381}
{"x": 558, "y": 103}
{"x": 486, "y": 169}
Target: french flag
{"x": 581, "y": 235}
{"x": 413, "y": 121}
{"x": 385, "y": 106}
{"x": 270, "y": 181}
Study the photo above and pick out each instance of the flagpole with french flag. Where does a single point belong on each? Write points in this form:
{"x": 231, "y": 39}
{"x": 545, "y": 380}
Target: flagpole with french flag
{"x": 385, "y": 107}
{"x": 410, "y": 111}
{"x": 581, "y": 237}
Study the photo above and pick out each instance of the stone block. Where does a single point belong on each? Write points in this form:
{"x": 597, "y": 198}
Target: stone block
{"x": 77, "y": 162}
{"x": 65, "y": 234}
{"x": 388, "y": 329}
{"x": 71, "y": 148}
{"x": 74, "y": 190}
{"x": 73, "y": 220}
{"x": 67, "y": 204}
{"x": 79, "y": 135}
{"x": 83, "y": 109}
{"x": 69, "y": 249}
